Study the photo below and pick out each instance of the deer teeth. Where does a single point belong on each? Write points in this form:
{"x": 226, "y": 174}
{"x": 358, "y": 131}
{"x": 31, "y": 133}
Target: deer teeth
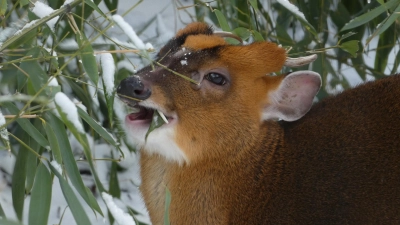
{"x": 162, "y": 116}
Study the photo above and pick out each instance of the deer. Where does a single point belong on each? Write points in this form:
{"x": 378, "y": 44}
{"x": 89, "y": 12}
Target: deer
{"x": 241, "y": 145}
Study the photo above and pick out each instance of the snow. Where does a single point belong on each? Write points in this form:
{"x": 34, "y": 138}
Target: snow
{"x": 184, "y": 62}
{"x": 292, "y": 8}
{"x": 2, "y": 119}
{"x": 70, "y": 110}
{"x": 56, "y": 166}
{"x": 108, "y": 67}
{"x": 131, "y": 33}
{"x": 42, "y": 10}
{"x": 26, "y": 27}
{"x": 53, "y": 81}
{"x": 67, "y": 2}
{"x": 119, "y": 215}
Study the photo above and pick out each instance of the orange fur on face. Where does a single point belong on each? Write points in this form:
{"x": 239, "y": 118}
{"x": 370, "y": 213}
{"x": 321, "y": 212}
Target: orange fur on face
{"x": 199, "y": 42}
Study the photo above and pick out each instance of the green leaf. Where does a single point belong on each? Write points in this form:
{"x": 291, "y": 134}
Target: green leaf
{"x": 223, "y": 23}
{"x": 3, "y": 7}
{"x": 18, "y": 179}
{"x": 385, "y": 25}
{"x": 4, "y": 221}
{"x": 114, "y": 183}
{"x": 242, "y": 32}
{"x": 108, "y": 137}
{"x": 302, "y": 19}
{"x": 39, "y": 207}
{"x": 23, "y": 2}
{"x": 350, "y": 47}
{"x": 254, "y": 4}
{"x": 366, "y": 17}
{"x": 88, "y": 58}
{"x": 75, "y": 206}
{"x": 82, "y": 139}
{"x": 167, "y": 204}
{"x": 27, "y": 126}
{"x": 54, "y": 145}
{"x": 156, "y": 122}
{"x": 257, "y": 36}
{"x": 2, "y": 214}
{"x": 32, "y": 68}
{"x": 69, "y": 160}
{"x": 31, "y": 163}
{"x": 95, "y": 7}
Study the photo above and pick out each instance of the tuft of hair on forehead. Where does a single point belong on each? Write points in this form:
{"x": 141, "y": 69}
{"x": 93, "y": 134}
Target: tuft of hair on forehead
{"x": 190, "y": 31}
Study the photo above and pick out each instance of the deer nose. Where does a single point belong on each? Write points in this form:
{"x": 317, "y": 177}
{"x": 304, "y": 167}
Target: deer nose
{"x": 133, "y": 88}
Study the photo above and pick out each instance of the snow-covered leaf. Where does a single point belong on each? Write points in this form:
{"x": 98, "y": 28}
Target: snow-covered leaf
{"x": 40, "y": 196}
{"x": 108, "y": 72}
{"x": 69, "y": 160}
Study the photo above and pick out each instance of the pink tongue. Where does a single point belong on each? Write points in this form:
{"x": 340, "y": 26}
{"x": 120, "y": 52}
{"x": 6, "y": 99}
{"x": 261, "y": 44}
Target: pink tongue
{"x": 143, "y": 114}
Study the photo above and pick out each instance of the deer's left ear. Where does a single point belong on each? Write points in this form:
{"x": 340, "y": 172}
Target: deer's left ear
{"x": 294, "y": 96}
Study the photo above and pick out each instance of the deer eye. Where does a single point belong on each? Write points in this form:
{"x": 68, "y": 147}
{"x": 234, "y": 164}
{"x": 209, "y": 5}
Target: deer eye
{"x": 216, "y": 78}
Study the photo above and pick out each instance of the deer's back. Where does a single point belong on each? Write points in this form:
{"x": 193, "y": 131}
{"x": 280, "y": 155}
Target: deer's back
{"x": 343, "y": 158}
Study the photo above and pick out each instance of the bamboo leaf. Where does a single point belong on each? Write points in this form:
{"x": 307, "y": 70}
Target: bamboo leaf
{"x": 385, "y": 24}
{"x": 95, "y": 7}
{"x": 75, "y": 206}
{"x": 242, "y": 32}
{"x": 114, "y": 183}
{"x": 108, "y": 137}
{"x": 39, "y": 207}
{"x": 223, "y": 23}
{"x": 18, "y": 179}
{"x": 82, "y": 139}
{"x": 69, "y": 160}
{"x": 54, "y": 145}
{"x": 88, "y": 58}
{"x": 4, "y": 221}
{"x": 299, "y": 16}
{"x": 366, "y": 17}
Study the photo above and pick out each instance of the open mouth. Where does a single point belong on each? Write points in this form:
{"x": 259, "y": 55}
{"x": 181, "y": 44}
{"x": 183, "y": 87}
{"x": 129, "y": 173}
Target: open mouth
{"x": 144, "y": 115}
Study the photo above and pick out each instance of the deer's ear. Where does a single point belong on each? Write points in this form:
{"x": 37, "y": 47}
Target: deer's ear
{"x": 294, "y": 96}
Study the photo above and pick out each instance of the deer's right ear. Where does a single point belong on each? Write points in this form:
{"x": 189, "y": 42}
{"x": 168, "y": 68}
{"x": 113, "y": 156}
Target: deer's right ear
{"x": 294, "y": 96}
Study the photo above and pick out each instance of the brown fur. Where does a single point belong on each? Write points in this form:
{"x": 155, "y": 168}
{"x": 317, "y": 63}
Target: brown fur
{"x": 340, "y": 164}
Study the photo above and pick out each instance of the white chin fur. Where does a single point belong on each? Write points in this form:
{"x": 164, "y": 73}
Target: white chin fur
{"x": 160, "y": 141}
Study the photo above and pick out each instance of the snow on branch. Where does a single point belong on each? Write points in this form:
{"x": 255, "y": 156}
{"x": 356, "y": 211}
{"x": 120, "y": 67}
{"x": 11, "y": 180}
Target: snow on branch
{"x": 131, "y": 33}
{"x": 42, "y": 10}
